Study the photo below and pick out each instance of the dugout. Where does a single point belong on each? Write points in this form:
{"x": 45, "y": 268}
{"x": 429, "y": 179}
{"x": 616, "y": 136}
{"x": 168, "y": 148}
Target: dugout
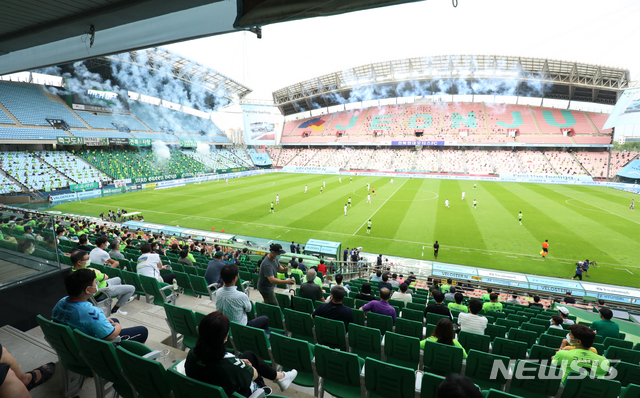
{"x": 330, "y": 250}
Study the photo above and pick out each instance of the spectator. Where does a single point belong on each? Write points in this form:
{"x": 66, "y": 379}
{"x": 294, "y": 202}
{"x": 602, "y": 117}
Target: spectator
{"x": 310, "y": 289}
{"x": 268, "y": 276}
{"x": 444, "y": 334}
{"x": 445, "y": 288}
{"x": 301, "y": 266}
{"x": 27, "y": 233}
{"x": 606, "y": 327}
{"x": 564, "y": 314}
{"x": 26, "y": 247}
{"x": 487, "y": 296}
{"x": 365, "y": 293}
{"x": 293, "y": 262}
{"x": 100, "y": 256}
{"x": 338, "y": 279}
{"x": 235, "y": 304}
{"x": 451, "y": 293}
{"x": 77, "y": 312}
{"x": 384, "y": 283}
{"x": 435, "y": 287}
{"x": 318, "y": 281}
{"x": 296, "y": 270}
{"x": 51, "y": 245}
{"x": 82, "y": 243}
{"x": 458, "y": 386}
{"x": 401, "y": 279}
{"x": 394, "y": 280}
{"x": 458, "y": 306}
{"x": 402, "y": 295}
{"x": 149, "y": 264}
{"x": 411, "y": 278}
{"x": 292, "y": 248}
{"x": 184, "y": 260}
{"x": 381, "y": 306}
{"x": 175, "y": 249}
{"x": 334, "y": 309}
{"x": 556, "y": 322}
{"x": 377, "y": 277}
{"x": 536, "y": 302}
{"x": 438, "y": 307}
{"x": 514, "y": 300}
{"x": 115, "y": 250}
{"x": 493, "y": 304}
{"x": 209, "y": 362}
{"x": 213, "y": 269}
{"x": 14, "y": 383}
{"x": 473, "y": 322}
{"x": 322, "y": 268}
{"x": 581, "y": 338}
{"x": 568, "y": 299}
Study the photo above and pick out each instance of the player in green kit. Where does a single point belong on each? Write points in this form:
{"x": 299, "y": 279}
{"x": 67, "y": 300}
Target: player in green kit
{"x": 271, "y": 211}
{"x": 369, "y": 227}
{"x": 520, "y": 218}
{"x": 349, "y": 201}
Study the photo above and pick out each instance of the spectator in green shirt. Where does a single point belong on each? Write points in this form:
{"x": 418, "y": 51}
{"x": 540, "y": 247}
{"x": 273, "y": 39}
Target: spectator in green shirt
{"x": 493, "y": 304}
{"x": 445, "y": 288}
{"x": 443, "y": 334}
{"x": 486, "y": 297}
{"x": 580, "y": 358}
{"x": 606, "y": 327}
{"x": 458, "y": 306}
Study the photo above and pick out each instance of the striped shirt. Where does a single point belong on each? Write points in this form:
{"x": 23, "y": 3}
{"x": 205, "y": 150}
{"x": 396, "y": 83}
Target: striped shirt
{"x": 233, "y": 304}
{"x": 472, "y": 323}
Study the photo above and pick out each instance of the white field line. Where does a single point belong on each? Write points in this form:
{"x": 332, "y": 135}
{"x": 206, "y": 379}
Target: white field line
{"x": 383, "y": 203}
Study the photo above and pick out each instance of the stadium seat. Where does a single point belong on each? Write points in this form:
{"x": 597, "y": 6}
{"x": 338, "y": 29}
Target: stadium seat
{"x": 610, "y": 341}
{"x": 413, "y": 315}
{"x": 434, "y": 318}
{"x": 295, "y": 354}
{"x": 550, "y": 341}
{"x": 147, "y": 377}
{"x": 184, "y": 283}
{"x": 202, "y": 288}
{"x": 541, "y": 353}
{"x": 508, "y": 323}
{"x": 247, "y": 338}
{"x": 632, "y": 390}
{"x": 587, "y": 387}
{"x": 537, "y": 381}
{"x": 330, "y": 333}
{"x": 365, "y": 341}
{"x": 442, "y": 359}
{"x": 537, "y": 329}
{"x": 274, "y": 313}
{"x": 378, "y": 374}
{"x": 493, "y": 393}
{"x": 302, "y": 304}
{"x": 409, "y": 328}
{"x": 480, "y": 369}
{"x": 299, "y": 325}
{"x": 623, "y": 354}
{"x": 599, "y": 348}
{"x": 627, "y": 373}
{"x": 402, "y": 350}
{"x": 429, "y": 385}
{"x": 339, "y": 372}
{"x": 526, "y": 336}
{"x": 509, "y": 348}
{"x": 182, "y": 321}
{"x": 359, "y": 317}
{"x": 133, "y": 279}
{"x": 416, "y": 307}
{"x": 474, "y": 341}
{"x": 494, "y": 331}
{"x": 384, "y": 323}
{"x": 556, "y": 332}
{"x": 159, "y": 293}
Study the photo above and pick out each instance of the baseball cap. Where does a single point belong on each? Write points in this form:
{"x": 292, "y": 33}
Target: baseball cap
{"x": 277, "y": 248}
{"x": 563, "y": 310}
{"x": 219, "y": 254}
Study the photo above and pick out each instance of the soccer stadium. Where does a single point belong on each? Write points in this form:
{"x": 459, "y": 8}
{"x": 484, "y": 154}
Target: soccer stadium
{"x": 448, "y": 225}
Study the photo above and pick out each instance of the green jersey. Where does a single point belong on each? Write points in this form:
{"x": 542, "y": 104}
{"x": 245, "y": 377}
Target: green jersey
{"x": 458, "y": 307}
{"x": 577, "y": 359}
{"x": 491, "y": 307}
{"x": 369, "y": 225}
{"x": 520, "y": 216}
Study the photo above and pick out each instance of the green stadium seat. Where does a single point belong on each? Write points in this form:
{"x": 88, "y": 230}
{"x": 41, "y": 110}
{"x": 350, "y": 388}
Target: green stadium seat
{"x": 442, "y": 359}
{"x": 550, "y": 341}
{"x": 525, "y": 336}
{"x": 623, "y": 354}
{"x": 182, "y": 321}
{"x": 291, "y": 353}
{"x": 409, "y": 328}
{"x": 365, "y": 341}
{"x": 541, "y": 353}
{"x": 474, "y": 341}
{"x": 493, "y": 393}
{"x": 599, "y": 348}
{"x": 417, "y": 307}
{"x": 588, "y": 387}
{"x": 359, "y": 317}
{"x": 299, "y": 325}
{"x": 402, "y": 350}
{"x": 131, "y": 278}
{"x": 610, "y": 341}
{"x": 184, "y": 283}
{"x": 330, "y": 333}
{"x": 147, "y": 377}
{"x": 509, "y": 348}
{"x": 494, "y": 331}
{"x": 537, "y": 381}
{"x": 274, "y": 313}
{"x": 186, "y": 387}
{"x": 412, "y": 315}
{"x": 397, "y": 303}
{"x": 339, "y": 372}
{"x": 508, "y": 323}
{"x": 537, "y": 329}
{"x": 202, "y": 288}
{"x": 348, "y": 302}
{"x": 384, "y": 323}
{"x": 302, "y": 304}
{"x": 429, "y": 385}
{"x": 159, "y": 293}
{"x": 247, "y": 338}
{"x": 556, "y": 332}
{"x": 627, "y": 373}
{"x": 480, "y": 369}
{"x": 434, "y": 318}
{"x": 630, "y": 391}
{"x": 378, "y": 374}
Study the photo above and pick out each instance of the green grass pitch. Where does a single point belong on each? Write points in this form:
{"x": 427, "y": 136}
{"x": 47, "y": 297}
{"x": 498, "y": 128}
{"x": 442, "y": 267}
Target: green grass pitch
{"x": 580, "y": 222}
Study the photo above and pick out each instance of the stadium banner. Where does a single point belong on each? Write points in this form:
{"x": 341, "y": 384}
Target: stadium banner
{"x": 70, "y": 140}
{"x": 422, "y": 143}
{"x": 142, "y": 180}
{"x": 83, "y": 187}
{"x": 555, "y": 285}
{"x": 118, "y": 141}
{"x": 112, "y": 191}
{"x": 96, "y": 141}
{"x": 96, "y": 193}
{"x": 611, "y": 290}
{"x": 550, "y": 177}
{"x": 263, "y": 124}
{"x": 140, "y": 141}
{"x": 189, "y": 143}
{"x": 150, "y": 186}
{"x": 122, "y": 183}
{"x": 314, "y": 170}
{"x": 233, "y": 170}
{"x": 503, "y": 278}
{"x": 454, "y": 271}
{"x": 260, "y": 159}
{"x": 67, "y": 196}
{"x": 632, "y": 170}
{"x": 626, "y": 111}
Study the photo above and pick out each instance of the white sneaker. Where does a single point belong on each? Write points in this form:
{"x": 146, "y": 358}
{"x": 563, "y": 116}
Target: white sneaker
{"x": 288, "y": 378}
{"x": 121, "y": 312}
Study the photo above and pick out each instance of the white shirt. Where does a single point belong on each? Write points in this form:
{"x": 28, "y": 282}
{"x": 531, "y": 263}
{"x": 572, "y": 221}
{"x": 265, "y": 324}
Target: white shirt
{"x": 472, "y": 323}
{"x": 277, "y": 198}
{"x": 99, "y": 256}
{"x": 368, "y": 197}
{"x": 406, "y": 297}
{"x": 446, "y": 202}
{"x": 345, "y": 208}
{"x": 148, "y": 265}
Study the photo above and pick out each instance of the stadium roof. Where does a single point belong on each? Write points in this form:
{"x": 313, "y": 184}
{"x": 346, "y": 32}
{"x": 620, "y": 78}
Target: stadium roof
{"x": 461, "y": 74}
{"x": 182, "y": 69}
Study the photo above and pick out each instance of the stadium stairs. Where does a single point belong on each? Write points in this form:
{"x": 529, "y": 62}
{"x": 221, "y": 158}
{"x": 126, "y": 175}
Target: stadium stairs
{"x": 519, "y": 162}
{"x": 581, "y": 165}
{"x": 10, "y": 115}
{"x": 549, "y": 162}
{"x": 465, "y": 166}
{"x": 35, "y": 154}
{"x": 55, "y": 98}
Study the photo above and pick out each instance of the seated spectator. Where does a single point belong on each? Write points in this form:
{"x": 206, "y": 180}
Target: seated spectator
{"x": 99, "y": 256}
{"x": 381, "y": 306}
{"x": 82, "y": 243}
{"x": 149, "y": 264}
{"x": 438, "y": 307}
{"x": 334, "y": 309}
{"x": 27, "y": 232}
{"x": 444, "y": 334}
{"x": 292, "y": 262}
{"x": 473, "y": 322}
{"x": 26, "y": 247}
{"x": 514, "y": 300}
{"x": 61, "y": 233}
{"x": 338, "y": 282}
{"x": 451, "y": 295}
{"x": 493, "y": 304}
{"x": 213, "y": 269}
{"x": 435, "y": 287}
{"x": 384, "y": 283}
{"x": 175, "y": 249}
{"x": 401, "y": 279}
{"x": 310, "y": 289}
{"x": 458, "y": 386}
{"x": 14, "y": 383}
{"x": 564, "y": 314}
{"x": 377, "y": 277}
{"x": 115, "y": 250}
{"x": 317, "y": 281}
{"x": 235, "y": 304}
{"x": 606, "y": 327}
{"x": 365, "y": 293}
{"x": 301, "y": 266}
{"x": 402, "y": 295}
{"x": 80, "y": 260}
{"x": 581, "y": 338}
{"x": 394, "y": 280}
{"x": 556, "y": 322}
{"x": 296, "y": 271}
{"x": 184, "y": 260}
{"x": 209, "y": 362}
{"x": 458, "y": 306}
{"x": 487, "y": 296}
{"x": 445, "y": 288}
{"x": 78, "y": 313}
{"x": 51, "y": 245}
{"x": 568, "y": 299}
{"x": 322, "y": 268}
{"x": 536, "y": 302}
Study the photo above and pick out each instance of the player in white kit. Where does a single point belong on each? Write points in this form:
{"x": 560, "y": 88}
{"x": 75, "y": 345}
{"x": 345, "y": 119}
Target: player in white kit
{"x": 392, "y": 181}
{"x": 368, "y": 187}
{"x": 324, "y": 184}
{"x": 340, "y": 179}
{"x": 368, "y": 198}
{"x": 305, "y": 189}
{"x": 446, "y": 203}
{"x": 277, "y": 199}
{"x": 462, "y": 195}
{"x": 345, "y": 210}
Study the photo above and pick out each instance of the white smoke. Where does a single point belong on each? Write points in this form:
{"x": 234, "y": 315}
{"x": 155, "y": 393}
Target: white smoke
{"x": 161, "y": 150}
{"x": 203, "y": 148}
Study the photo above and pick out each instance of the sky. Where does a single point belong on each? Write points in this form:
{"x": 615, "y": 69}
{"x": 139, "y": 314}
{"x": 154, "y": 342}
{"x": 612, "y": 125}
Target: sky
{"x": 590, "y": 31}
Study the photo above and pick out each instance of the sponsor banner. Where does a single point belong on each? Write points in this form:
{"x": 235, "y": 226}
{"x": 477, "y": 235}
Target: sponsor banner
{"x": 70, "y": 140}
{"x": 112, "y": 191}
{"x": 139, "y": 141}
{"x": 122, "y": 183}
{"x": 101, "y": 109}
{"x": 613, "y": 290}
{"x": 90, "y": 194}
{"x": 556, "y": 289}
{"x": 63, "y": 197}
{"x": 142, "y": 180}
{"x": 83, "y": 187}
{"x": 562, "y": 284}
{"x": 550, "y": 177}
{"x": 608, "y": 297}
{"x": 315, "y": 170}
{"x": 189, "y": 143}
{"x": 96, "y": 141}
{"x": 423, "y": 143}
{"x": 234, "y": 170}
{"x": 260, "y": 159}
{"x": 150, "y": 186}
{"x": 502, "y": 275}
{"x": 118, "y": 141}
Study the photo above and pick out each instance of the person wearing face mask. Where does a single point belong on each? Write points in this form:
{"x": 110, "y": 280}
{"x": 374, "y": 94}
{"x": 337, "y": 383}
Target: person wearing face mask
{"x": 26, "y": 247}
{"x": 581, "y": 356}
{"x": 80, "y": 260}
{"x": 268, "y": 277}
{"x": 76, "y": 312}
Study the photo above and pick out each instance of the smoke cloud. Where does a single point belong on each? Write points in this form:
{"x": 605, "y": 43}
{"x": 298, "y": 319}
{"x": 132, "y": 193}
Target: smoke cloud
{"x": 203, "y": 148}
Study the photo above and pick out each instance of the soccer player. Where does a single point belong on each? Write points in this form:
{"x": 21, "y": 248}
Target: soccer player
{"x": 368, "y": 198}
{"x": 474, "y": 186}
{"x": 227, "y": 180}
{"x": 520, "y": 218}
{"x": 305, "y": 189}
{"x": 271, "y": 211}
{"x": 277, "y": 199}
{"x": 345, "y": 209}
{"x": 350, "y": 179}
{"x": 392, "y": 181}
{"x": 349, "y": 201}
{"x": 633, "y": 204}
{"x": 340, "y": 180}
{"x": 436, "y": 247}
{"x": 475, "y": 203}
{"x": 321, "y": 190}
{"x": 462, "y": 195}
{"x": 369, "y": 227}
{"x": 368, "y": 186}
{"x": 324, "y": 184}
{"x": 545, "y": 248}
{"x": 446, "y": 203}
{"x": 373, "y": 191}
